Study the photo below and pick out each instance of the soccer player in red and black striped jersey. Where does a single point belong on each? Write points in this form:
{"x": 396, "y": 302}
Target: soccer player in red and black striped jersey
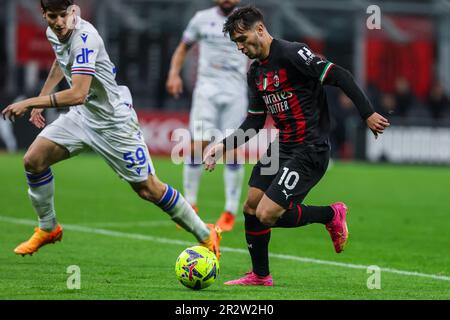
{"x": 287, "y": 81}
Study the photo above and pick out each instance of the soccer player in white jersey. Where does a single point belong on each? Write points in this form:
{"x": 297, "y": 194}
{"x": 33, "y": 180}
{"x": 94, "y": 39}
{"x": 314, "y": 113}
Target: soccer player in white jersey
{"x": 103, "y": 120}
{"x": 219, "y": 101}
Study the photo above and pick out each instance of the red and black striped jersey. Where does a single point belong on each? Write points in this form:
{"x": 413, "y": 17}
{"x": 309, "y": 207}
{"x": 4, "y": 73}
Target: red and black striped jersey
{"x": 289, "y": 86}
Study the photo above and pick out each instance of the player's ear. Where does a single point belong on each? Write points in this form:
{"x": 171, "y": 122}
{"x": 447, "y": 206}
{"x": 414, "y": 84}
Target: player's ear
{"x": 259, "y": 29}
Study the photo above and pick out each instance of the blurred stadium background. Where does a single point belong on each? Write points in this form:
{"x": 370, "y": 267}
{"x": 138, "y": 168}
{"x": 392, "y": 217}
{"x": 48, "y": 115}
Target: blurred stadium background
{"x": 404, "y": 67}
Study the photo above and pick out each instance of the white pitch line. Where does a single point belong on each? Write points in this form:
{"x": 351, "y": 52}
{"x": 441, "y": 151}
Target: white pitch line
{"x": 128, "y": 224}
{"x": 118, "y": 234}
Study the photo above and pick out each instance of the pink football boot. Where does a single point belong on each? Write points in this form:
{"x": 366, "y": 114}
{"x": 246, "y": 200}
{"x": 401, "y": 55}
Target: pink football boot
{"x": 337, "y": 227}
{"x": 251, "y": 279}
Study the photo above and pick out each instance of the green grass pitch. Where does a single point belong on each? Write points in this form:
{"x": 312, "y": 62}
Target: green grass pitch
{"x": 399, "y": 220}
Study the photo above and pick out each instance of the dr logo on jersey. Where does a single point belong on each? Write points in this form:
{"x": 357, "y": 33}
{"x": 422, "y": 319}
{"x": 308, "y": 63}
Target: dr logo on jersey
{"x": 83, "y": 57}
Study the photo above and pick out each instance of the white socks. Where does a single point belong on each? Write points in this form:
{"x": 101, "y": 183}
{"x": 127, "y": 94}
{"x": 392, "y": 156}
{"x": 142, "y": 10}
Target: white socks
{"x": 233, "y": 177}
{"x": 41, "y": 191}
{"x": 182, "y": 213}
{"x": 191, "y": 181}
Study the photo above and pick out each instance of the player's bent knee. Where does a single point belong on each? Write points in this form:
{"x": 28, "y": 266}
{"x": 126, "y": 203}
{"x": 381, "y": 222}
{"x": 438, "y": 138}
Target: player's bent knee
{"x": 249, "y": 208}
{"x": 34, "y": 163}
{"x": 265, "y": 216}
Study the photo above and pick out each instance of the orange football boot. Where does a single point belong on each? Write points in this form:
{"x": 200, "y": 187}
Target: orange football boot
{"x": 38, "y": 239}
{"x": 213, "y": 241}
{"x": 226, "y": 221}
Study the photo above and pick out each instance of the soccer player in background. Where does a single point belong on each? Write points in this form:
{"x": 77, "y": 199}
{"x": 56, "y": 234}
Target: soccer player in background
{"x": 287, "y": 80}
{"x": 219, "y": 100}
{"x": 102, "y": 120}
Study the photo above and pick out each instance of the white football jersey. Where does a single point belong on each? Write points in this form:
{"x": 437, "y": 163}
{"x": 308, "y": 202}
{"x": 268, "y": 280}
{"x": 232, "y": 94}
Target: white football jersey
{"x": 220, "y": 61}
{"x": 84, "y": 53}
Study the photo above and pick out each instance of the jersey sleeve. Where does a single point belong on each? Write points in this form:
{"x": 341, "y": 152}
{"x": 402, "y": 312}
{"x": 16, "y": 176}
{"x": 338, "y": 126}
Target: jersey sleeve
{"x": 256, "y": 105}
{"x": 192, "y": 32}
{"x": 308, "y": 63}
{"x": 85, "y": 49}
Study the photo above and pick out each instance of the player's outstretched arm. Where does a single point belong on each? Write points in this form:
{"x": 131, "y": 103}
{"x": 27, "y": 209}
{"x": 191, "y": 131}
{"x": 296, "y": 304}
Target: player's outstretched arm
{"x": 174, "y": 84}
{"x": 339, "y": 77}
{"x": 74, "y": 96}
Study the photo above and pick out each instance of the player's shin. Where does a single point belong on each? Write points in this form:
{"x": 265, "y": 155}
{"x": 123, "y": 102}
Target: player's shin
{"x": 41, "y": 192}
{"x": 301, "y": 215}
{"x": 192, "y": 173}
{"x": 181, "y": 212}
{"x": 233, "y": 178}
{"x": 258, "y": 237}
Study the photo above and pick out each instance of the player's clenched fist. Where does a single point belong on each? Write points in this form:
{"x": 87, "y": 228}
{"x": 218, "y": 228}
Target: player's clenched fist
{"x": 211, "y": 156}
{"x": 377, "y": 124}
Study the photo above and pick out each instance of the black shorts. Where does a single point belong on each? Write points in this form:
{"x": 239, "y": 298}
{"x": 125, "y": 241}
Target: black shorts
{"x": 300, "y": 169}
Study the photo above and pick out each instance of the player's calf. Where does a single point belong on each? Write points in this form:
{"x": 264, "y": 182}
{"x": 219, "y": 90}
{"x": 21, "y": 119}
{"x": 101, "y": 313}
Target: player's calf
{"x": 173, "y": 203}
{"x": 150, "y": 190}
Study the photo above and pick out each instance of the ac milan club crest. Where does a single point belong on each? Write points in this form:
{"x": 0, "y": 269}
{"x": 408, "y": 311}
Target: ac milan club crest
{"x": 276, "y": 81}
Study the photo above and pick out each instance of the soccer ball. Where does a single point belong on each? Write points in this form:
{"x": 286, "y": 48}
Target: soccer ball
{"x": 197, "y": 268}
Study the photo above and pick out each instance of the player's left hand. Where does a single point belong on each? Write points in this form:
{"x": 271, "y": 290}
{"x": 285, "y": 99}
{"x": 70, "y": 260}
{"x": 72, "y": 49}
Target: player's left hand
{"x": 377, "y": 123}
{"x": 15, "y": 110}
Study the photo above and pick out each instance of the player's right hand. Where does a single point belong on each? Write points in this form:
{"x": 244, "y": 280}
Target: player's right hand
{"x": 37, "y": 118}
{"x": 174, "y": 85}
{"x": 211, "y": 156}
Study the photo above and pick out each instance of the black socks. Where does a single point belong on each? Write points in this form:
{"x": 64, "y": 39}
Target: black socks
{"x": 301, "y": 215}
{"x": 258, "y": 237}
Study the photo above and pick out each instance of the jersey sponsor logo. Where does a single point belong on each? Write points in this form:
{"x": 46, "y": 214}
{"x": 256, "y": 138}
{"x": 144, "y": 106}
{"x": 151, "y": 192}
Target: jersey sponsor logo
{"x": 277, "y": 102}
{"x": 84, "y": 37}
{"x": 83, "y": 57}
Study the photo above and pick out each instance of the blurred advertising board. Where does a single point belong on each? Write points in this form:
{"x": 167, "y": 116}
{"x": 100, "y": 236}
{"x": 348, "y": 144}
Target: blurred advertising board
{"x": 410, "y": 144}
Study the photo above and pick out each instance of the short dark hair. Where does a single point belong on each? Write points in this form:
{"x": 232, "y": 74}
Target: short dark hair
{"x": 243, "y": 19}
{"x": 55, "y": 5}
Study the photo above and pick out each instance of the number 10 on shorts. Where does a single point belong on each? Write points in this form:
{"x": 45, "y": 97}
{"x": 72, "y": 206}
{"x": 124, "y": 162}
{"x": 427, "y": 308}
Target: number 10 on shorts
{"x": 290, "y": 179}
{"x": 137, "y": 158}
